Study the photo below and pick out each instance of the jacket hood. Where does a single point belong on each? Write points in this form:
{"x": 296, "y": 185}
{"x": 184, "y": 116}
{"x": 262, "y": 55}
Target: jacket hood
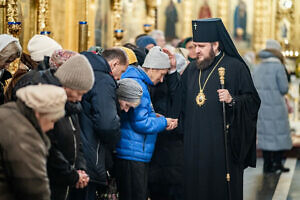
{"x": 98, "y": 62}
{"x": 137, "y": 73}
{"x": 265, "y": 54}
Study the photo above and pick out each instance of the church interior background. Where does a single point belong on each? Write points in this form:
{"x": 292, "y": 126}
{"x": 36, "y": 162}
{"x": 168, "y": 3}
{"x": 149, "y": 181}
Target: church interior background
{"x": 79, "y": 24}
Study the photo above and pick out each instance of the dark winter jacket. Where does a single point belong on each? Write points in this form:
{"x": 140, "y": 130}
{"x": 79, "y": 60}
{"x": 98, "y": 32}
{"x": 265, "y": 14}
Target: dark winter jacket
{"x": 23, "y": 154}
{"x": 65, "y": 155}
{"x": 4, "y": 75}
{"x": 140, "y": 126}
{"x": 99, "y": 121}
{"x": 166, "y": 166}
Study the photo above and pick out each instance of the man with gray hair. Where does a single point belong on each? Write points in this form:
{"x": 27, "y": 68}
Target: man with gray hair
{"x": 159, "y": 37}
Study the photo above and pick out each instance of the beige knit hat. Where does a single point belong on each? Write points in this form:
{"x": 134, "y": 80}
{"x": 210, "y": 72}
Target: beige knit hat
{"x": 76, "y": 73}
{"x": 40, "y": 46}
{"x": 49, "y": 100}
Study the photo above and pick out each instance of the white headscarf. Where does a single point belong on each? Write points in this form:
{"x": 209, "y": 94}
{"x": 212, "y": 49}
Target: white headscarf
{"x": 6, "y": 39}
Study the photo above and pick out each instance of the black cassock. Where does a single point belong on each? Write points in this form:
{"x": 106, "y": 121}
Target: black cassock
{"x": 203, "y": 130}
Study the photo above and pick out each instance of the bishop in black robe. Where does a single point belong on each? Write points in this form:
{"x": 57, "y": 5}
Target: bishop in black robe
{"x": 204, "y": 172}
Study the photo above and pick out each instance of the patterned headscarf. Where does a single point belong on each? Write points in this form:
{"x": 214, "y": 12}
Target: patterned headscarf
{"x": 59, "y": 57}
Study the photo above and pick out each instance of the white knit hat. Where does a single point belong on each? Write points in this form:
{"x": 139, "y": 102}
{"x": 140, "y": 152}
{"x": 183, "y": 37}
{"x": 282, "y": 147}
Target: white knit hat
{"x": 5, "y": 39}
{"x": 40, "y": 46}
{"x": 273, "y": 44}
{"x": 76, "y": 73}
{"x": 48, "y": 100}
{"x": 157, "y": 59}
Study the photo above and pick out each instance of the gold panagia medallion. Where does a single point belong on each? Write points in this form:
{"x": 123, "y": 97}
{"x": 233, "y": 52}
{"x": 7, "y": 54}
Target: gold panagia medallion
{"x": 200, "y": 99}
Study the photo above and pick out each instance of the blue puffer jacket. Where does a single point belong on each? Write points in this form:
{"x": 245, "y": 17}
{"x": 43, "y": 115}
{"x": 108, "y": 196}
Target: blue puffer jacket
{"x": 140, "y": 126}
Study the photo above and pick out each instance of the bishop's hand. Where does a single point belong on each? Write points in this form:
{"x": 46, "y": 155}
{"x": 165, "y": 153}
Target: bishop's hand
{"x": 224, "y": 96}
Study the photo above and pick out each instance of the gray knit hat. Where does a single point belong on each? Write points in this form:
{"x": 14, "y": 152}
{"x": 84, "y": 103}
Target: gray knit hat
{"x": 76, "y": 73}
{"x": 273, "y": 44}
{"x": 157, "y": 59}
{"x": 129, "y": 90}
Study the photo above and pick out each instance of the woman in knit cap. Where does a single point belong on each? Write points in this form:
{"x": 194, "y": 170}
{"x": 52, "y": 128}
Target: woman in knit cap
{"x": 10, "y": 49}
{"x": 146, "y": 42}
{"x": 24, "y": 144}
{"x": 41, "y": 48}
{"x": 66, "y": 164}
{"x": 132, "y": 60}
{"x": 273, "y": 128}
{"x": 129, "y": 94}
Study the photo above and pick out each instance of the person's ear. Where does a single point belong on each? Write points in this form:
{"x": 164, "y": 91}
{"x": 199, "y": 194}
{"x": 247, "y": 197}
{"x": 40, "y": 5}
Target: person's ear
{"x": 113, "y": 64}
{"x": 216, "y": 46}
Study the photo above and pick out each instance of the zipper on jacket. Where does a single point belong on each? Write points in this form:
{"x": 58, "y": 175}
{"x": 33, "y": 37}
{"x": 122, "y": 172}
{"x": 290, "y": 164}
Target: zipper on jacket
{"x": 98, "y": 145}
{"x": 67, "y": 193}
{"x": 144, "y": 142}
{"x": 75, "y": 142}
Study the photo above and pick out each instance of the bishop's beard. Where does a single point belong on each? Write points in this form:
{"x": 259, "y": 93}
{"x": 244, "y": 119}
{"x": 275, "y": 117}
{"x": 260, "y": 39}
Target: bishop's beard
{"x": 207, "y": 61}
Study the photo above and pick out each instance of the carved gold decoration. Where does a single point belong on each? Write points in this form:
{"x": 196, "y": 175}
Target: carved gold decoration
{"x": 262, "y": 23}
{"x": 151, "y": 12}
{"x": 117, "y": 10}
{"x": 187, "y": 13}
{"x": 285, "y": 13}
{"x": 43, "y": 11}
{"x": 2, "y": 16}
{"x": 13, "y": 27}
{"x": 222, "y": 11}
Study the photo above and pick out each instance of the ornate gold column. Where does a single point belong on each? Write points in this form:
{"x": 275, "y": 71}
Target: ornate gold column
{"x": 118, "y": 31}
{"x": 151, "y": 12}
{"x": 187, "y": 21}
{"x": 43, "y": 16}
{"x": 13, "y": 26}
{"x": 222, "y": 12}
{"x": 262, "y": 23}
{"x": 2, "y": 16}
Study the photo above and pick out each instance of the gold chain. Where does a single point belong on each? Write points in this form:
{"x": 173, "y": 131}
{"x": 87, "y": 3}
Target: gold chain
{"x": 201, "y": 89}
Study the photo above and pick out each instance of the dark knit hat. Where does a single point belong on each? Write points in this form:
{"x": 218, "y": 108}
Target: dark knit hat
{"x": 76, "y": 73}
{"x": 144, "y": 41}
{"x": 129, "y": 90}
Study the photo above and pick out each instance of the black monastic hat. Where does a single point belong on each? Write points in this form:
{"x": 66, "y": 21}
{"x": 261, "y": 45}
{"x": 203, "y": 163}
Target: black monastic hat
{"x": 212, "y": 30}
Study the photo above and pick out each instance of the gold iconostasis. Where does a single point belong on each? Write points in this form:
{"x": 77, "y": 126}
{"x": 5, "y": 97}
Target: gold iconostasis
{"x": 111, "y": 22}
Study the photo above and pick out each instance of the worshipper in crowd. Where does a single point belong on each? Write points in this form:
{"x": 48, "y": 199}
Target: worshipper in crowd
{"x": 189, "y": 45}
{"x": 140, "y": 53}
{"x": 24, "y": 144}
{"x": 166, "y": 166}
{"x": 10, "y": 49}
{"x": 129, "y": 94}
{"x": 33, "y": 77}
{"x": 273, "y": 126}
{"x": 66, "y": 163}
{"x": 41, "y": 48}
{"x": 146, "y": 42}
{"x": 159, "y": 38}
{"x": 99, "y": 121}
{"x": 202, "y": 97}
{"x": 139, "y": 128}
{"x": 132, "y": 60}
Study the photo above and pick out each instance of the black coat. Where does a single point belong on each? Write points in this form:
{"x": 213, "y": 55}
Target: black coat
{"x": 99, "y": 120}
{"x": 167, "y": 162}
{"x": 66, "y": 154}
